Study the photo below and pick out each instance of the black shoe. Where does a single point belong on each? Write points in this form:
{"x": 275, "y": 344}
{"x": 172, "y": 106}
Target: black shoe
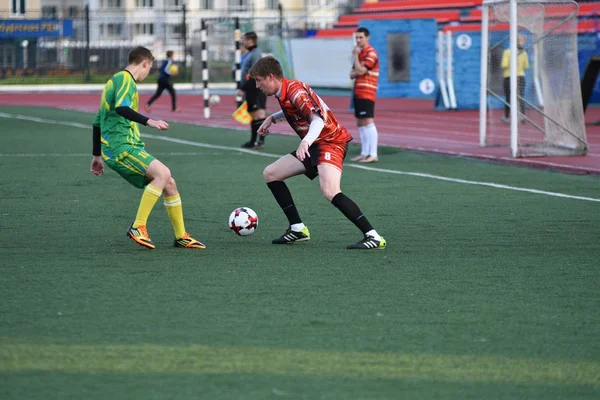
{"x": 291, "y": 236}
{"x": 248, "y": 145}
{"x": 259, "y": 145}
{"x": 369, "y": 243}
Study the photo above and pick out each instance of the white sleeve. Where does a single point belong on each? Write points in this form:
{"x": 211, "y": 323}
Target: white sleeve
{"x": 278, "y": 116}
{"x": 314, "y": 130}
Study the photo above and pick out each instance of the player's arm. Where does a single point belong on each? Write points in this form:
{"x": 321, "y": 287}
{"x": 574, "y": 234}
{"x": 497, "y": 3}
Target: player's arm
{"x": 247, "y": 82}
{"x": 314, "y": 130}
{"x": 97, "y": 167}
{"x": 165, "y": 67}
{"x": 263, "y": 129}
{"x": 132, "y": 115}
{"x": 277, "y": 117}
{"x": 505, "y": 64}
{"x": 358, "y": 68}
{"x": 368, "y": 64}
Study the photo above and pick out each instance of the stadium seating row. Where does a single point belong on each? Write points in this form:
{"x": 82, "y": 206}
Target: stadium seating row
{"x": 585, "y": 9}
{"x": 443, "y": 17}
{"x": 385, "y": 6}
{"x": 456, "y": 15}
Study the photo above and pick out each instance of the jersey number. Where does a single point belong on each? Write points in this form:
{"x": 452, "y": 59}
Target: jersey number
{"x": 328, "y": 156}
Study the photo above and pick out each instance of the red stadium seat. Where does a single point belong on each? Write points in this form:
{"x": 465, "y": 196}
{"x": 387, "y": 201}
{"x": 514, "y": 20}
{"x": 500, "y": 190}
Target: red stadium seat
{"x": 586, "y": 26}
{"x": 416, "y": 5}
{"x": 551, "y": 11}
{"x": 335, "y": 33}
{"x": 442, "y": 17}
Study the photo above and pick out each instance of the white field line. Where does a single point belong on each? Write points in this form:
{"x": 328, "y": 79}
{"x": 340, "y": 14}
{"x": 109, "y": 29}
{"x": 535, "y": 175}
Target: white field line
{"x": 263, "y": 154}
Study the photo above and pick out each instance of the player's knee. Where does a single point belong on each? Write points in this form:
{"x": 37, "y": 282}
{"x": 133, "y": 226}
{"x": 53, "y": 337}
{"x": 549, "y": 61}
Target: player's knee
{"x": 270, "y": 173}
{"x": 171, "y": 185}
{"x": 329, "y": 191}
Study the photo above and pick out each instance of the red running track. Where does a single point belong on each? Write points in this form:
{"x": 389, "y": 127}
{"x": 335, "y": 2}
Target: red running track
{"x": 405, "y": 123}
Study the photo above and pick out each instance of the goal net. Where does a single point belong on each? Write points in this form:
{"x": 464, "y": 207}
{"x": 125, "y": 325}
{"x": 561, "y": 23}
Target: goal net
{"x": 532, "y": 103}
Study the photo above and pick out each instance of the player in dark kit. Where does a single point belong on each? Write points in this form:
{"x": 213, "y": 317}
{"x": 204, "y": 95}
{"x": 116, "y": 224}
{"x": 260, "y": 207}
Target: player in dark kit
{"x": 164, "y": 82}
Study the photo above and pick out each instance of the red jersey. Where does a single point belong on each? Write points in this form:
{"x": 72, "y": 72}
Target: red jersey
{"x": 365, "y": 86}
{"x": 298, "y": 103}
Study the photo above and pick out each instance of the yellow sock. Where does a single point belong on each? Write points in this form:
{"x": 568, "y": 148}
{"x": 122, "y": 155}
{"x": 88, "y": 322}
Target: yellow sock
{"x": 149, "y": 199}
{"x": 175, "y": 211}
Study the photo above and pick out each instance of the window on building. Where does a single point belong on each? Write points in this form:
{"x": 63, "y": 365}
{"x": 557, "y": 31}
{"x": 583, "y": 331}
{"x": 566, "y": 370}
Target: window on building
{"x": 174, "y": 3}
{"x": 272, "y": 4}
{"x": 18, "y": 7}
{"x": 49, "y": 12}
{"x": 144, "y": 29}
{"x": 110, "y": 3}
{"x": 240, "y": 5}
{"x": 7, "y": 56}
{"x": 207, "y": 4}
{"x": 73, "y": 12}
{"x": 145, "y": 3}
{"x": 175, "y": 31}
{"x": 113, "y": 30}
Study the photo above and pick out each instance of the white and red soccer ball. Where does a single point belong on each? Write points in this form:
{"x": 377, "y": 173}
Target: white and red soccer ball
{"x": 243, "y": 221}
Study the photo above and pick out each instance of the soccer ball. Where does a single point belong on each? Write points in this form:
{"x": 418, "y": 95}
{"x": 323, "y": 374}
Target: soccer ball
{"x": 243, "y": 221}
{"x": 214, "y": 99}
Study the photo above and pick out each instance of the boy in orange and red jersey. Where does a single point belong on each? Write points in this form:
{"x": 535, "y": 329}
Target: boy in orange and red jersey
{"x": 365, "y": 71}
{"x": 322, "y": 149}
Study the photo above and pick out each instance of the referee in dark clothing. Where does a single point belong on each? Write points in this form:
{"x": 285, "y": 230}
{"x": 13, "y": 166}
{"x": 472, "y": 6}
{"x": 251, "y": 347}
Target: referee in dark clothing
{"x": 255, "y": 98}
{"x": 164, "y": 82}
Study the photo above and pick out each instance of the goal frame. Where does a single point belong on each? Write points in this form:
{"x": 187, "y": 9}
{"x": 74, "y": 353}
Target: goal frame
{"x": 484, "y": 135}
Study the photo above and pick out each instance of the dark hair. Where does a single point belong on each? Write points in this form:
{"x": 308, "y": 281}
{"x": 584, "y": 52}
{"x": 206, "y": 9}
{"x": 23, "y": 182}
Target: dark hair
{"x": 363, "y": 30}
{"x": 140, "y": 54}
{"x": 251, "y": 36}
{"x": 265, "y": 66}
{"x": 169, "y": 53}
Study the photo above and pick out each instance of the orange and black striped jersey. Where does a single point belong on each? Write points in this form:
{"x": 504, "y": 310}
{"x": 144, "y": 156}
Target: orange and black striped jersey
{"x": 299, "y": 102}
{"x": 365, "y": 86}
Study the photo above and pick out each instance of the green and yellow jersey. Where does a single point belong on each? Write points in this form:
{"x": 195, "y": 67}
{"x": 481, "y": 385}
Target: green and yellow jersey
{"x": 122, "y": 148}
{"x": 118, "y": 131}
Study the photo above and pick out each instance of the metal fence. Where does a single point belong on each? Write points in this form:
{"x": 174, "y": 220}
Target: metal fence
{"x": 88, "y": 43}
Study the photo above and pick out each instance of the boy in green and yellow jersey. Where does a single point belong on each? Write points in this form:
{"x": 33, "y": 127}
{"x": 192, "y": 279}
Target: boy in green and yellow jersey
{"x": 116, "y": 140}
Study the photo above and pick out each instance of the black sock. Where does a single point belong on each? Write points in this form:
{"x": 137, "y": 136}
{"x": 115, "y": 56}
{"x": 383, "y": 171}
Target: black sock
{"x": 352, "y": 212}
{"x": 284, "y": 199}
{"x": 254, "y": 129}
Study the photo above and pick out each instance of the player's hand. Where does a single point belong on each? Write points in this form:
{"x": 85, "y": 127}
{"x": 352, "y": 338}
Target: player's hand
{"x": 352, "y": 74}
{"x": 239, "y": 93}
{"x": 160, "y": 125}
{"x": 302, "y": 151}
{"x": 263, "y": 129}
{"x": 356, "y": 50}
{"x": 97, "y": 167}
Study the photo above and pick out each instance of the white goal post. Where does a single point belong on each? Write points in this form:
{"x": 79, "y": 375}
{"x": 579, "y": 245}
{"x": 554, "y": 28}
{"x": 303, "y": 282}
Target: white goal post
{"x": 531, "y": 102}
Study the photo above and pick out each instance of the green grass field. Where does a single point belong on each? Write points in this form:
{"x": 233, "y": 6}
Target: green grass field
{"x": 487, "y": 290}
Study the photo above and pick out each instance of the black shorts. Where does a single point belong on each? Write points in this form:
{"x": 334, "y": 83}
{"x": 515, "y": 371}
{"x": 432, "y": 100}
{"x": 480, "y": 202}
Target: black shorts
{"x": 364, "y": 108}
{"x": 337, "y": 152}
{"x": 256, "y": 99}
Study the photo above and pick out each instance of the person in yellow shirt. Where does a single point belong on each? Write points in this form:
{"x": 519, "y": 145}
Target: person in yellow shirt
{"x": 522, "y": 65}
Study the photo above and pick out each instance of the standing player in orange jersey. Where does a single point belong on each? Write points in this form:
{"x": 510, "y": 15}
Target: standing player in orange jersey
{"x": 365, "y": 71}
{"x": 322, "y": 149}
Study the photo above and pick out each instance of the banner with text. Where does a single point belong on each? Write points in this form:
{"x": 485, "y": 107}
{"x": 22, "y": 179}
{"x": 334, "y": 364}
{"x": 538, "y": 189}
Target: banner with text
{"x": 36, "y": 28}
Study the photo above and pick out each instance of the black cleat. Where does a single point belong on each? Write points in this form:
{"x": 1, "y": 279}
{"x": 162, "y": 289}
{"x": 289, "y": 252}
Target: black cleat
{"x": 291, "y": 236}
{"x": 369, "y": 243}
